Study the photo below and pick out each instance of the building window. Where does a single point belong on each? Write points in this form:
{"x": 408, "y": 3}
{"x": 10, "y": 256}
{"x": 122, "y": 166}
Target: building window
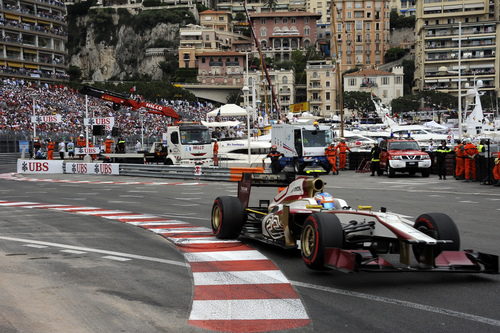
{"x": 285, "y": 20}
{"x": 202, "y": 60}
{"x": 263, "y": 32}
{"x": 293, "y": 19}
{"x": 284, "y": 80}
{"x": 327, "y": 96}
{"x": 399, "y": 79}
{"x": 385, "y": 80}
{"x": 262, "y": 21}
{"x": 315, "y": 75}
{"x": 328, "y": 83}
{"x": 307, "y": 30}
{"x": 352, "y": 82}
{"x": 221, "y": 18}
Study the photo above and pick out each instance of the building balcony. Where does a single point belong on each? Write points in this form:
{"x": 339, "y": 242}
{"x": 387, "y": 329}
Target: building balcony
{"x": 368, "y": 85}
{"x": 233, "y": 63}
{"x": 315, "y": 87}
{"x": 216, "y": 63}
{"x": 315, "y": 101}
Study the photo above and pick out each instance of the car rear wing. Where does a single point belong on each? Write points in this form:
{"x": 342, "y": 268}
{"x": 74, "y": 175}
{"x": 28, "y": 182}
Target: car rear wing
{"x": 248, "y": 180}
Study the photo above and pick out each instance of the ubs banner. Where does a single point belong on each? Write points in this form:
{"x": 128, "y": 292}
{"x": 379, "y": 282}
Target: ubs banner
{"x": 34, "y": 166}
{"x": 93, "y": 168}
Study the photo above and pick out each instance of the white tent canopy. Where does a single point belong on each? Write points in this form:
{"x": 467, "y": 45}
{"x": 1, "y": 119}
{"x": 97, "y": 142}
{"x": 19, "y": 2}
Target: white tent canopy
{"x": 228, "y": 110}
{"x": 221, "y": 123}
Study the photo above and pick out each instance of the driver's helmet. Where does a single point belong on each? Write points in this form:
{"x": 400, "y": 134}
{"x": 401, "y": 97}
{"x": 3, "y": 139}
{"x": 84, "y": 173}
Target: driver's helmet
{"x": 274, "y": 147}
{"x": 324, "y": 199}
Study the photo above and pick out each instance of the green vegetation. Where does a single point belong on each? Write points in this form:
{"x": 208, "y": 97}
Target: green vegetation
{"x": 149, "y": 19}
{"x": 433, "y": 99}
{"x": 358, "y": 101}
{"x": 152, "y": 3}
{"x": 394, "y": 54}
{"x": 401, "y": 22}
{"x": 409, "y": 73}
{"x": 102, "y": 22}
{"x": 74, "y": 73}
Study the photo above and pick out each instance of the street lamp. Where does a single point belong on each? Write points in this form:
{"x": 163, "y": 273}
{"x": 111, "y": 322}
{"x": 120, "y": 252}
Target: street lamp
{"x": 245, "y": 90}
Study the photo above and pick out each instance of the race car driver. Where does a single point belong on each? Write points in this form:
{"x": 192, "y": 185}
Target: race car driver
{"x": 325, "y": 200}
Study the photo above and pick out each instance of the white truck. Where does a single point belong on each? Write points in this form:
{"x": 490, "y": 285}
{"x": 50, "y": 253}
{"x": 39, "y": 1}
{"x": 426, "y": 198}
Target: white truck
{"x": 303, "y": 146}
{"x": 182, "y": 144}
{"x": 188, "y": 144}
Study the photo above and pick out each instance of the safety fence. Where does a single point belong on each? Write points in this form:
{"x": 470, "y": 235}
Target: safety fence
{"x": 231, "y": 174}
{"x": 9, "y": 158}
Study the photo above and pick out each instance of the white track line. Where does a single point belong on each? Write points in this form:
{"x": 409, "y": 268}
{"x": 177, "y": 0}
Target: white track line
{"x": 423, "y": 307}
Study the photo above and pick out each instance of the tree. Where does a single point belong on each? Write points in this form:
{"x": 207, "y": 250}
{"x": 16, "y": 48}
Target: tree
{"x": 438, "y": 100}
{"x": 74, "y": 73}
{"x": 358, "y": 101}
{"x": 394, "y": 54}
{"x": 234, "y": 97}
{"x": 240, "y": 17}
{"x": 271, "y": 4}
{"x": 400, "y": 22}
{"x": 405, "y": 103}
{"x": 409, "y": 72}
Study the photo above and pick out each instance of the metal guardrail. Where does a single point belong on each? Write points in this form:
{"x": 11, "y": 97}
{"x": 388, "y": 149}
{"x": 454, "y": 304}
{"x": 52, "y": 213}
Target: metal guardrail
{"x": 185, "y": 172}
{"x": 9, "y": 158}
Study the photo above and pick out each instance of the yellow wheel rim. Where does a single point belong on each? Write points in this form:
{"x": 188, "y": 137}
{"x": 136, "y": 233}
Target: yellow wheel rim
{"x": 308, "y": 241}
{"x": 216, "y": 217}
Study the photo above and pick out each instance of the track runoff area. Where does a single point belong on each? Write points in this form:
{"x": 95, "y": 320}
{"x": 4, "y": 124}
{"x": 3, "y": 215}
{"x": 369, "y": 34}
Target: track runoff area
{"x": 234, "y": 284}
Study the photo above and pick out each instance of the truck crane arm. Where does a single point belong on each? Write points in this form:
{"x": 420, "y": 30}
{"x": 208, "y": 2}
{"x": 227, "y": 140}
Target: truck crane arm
{"x": 122, "y": 99}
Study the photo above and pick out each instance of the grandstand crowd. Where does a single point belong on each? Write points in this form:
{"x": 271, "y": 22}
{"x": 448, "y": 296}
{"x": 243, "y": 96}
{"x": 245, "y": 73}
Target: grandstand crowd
{"x": 18, "y": 99}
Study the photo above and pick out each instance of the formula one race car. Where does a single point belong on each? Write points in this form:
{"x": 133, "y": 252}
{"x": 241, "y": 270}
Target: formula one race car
{"x": 331, "y": 234}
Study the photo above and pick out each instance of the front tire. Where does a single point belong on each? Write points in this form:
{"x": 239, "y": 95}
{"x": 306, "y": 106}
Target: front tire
{"x": 320, "y": 231}
{"x": 426, "y": 173}
{"x": 227, "y": 217}
{"x": 438, "y": 226}
{"x": 391, "y": 172}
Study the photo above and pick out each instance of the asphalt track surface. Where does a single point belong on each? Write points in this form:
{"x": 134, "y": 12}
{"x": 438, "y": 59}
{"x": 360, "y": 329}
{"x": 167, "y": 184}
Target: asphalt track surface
{"x": 64, "y": 272}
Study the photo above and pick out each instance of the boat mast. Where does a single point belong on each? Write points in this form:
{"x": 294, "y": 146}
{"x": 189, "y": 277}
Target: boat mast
{"x": 334, "y": 12}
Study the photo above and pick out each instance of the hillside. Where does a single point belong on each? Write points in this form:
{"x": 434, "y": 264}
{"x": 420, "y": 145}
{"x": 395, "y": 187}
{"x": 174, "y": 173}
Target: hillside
{"x": 108, "y": 44}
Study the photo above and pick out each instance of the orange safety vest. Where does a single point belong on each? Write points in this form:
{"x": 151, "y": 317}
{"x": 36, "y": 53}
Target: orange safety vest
{"x": 330, "y": 151}
{"x": 470, "y": 149}
{"x": 216, "y": 148}
{"x": 51, "y": 145}
{"x": 342, "y": 147}
{"x": 459, "y": 150}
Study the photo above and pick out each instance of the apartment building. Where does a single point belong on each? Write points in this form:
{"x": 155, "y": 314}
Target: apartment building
{"x": 215, "y": 34}
{"x": 404, "y": 7}
{"x": 283, "y": 82}
{"x": 33, "y": 37}
{"x": 322, "y": 87}
{"x": 437, "y": 44}
{"x": 221, "y": 68}
{"x": 281, "y": 33}
{"x": 385, "y": 85}
{"x": 362, "y": 28}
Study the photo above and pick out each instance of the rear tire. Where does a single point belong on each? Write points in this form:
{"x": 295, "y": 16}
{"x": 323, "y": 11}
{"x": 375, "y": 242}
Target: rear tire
{"x": 426, "y": 173}
{"x": 437, "y": 226}
{"x": 320, "y": 231}
{"x": 227, "y": 217}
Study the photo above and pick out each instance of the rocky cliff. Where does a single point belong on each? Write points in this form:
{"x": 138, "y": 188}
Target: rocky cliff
{"x": 115, "y": 45}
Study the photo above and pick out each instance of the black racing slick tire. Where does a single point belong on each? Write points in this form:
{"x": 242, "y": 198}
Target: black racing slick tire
{"x": 320, "y": 231}
{"x": 227, "y": 217}
{"x": 438, "y": 226}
